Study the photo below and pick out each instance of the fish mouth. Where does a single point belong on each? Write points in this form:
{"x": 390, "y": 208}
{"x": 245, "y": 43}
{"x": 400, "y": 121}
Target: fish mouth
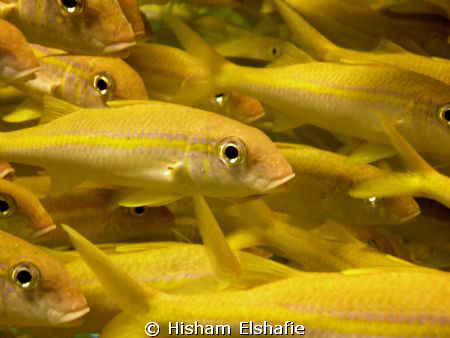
{"x": 410, "y": 217}
{"x": 39, "y": 233}
{"x": 58, "y": 317}
{"x": 118, "y": 47}
{"x": 279, "y": 184}
{"x": 254, "y": 118}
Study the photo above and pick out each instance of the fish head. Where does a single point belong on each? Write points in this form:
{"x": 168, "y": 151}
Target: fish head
{"x": 237, "y": 106}
{"x": 83, "y": 26}
{"x": 36, "y": 288}
{"x": 139, "y": 221}
{"x": 114, "y": 80}
{"x": 241, "y": 162}
{"x": 392, "y": 210}
{"x": 21, "y": 212}
{"x": 428, "y": 126}
{"x": 17, "y": 60}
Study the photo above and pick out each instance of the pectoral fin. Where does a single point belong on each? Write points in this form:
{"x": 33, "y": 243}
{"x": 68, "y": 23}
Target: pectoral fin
{"x": 137, "y": 198}
{"x": 369, "y": 152}
{"x": 223, "y": 260}
{"x": 29, "y": 109}
{"x": 55, "y": 108}
{"x": 62, "y": 182}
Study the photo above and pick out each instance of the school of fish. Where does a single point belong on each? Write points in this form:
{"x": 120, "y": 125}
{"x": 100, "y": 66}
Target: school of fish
{"x": 224, "y": 167}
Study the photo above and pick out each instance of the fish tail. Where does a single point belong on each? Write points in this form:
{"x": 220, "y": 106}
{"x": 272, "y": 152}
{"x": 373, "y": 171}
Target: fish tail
{"x": 422, "y": 180}
{"x": 207, "y": 55}
{"x": 305, "y": 35}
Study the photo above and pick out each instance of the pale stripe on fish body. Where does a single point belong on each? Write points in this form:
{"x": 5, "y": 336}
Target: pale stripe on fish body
{"x": 153, "y": 145}
{"x": 340, "y": 98}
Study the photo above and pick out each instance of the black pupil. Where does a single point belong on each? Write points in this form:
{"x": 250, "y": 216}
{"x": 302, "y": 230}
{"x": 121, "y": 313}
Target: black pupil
{"x": 139, "y": 210}
{"x": 69, "y": 3}
{"x": 102, "y": 85}
{"x": 218, "y": 96}
{"x": 4, "y": 206}
{"x": 231, "y": 152}
{"x": 447, "y": 115}
{"x": 274, "y": 50}
{"x": 24, "y": 277}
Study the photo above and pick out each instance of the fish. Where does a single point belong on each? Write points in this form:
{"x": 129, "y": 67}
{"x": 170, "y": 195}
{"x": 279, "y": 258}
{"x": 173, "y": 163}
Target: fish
{"x": 356, "y": 309}
{"x": 353, "y": 24}
{"x": 92, "y": 213}
{"x": 17, "y": 60}
{"x": 331, "y": 96}
{"x": 241, "y": 160}
{"x": 21, "y": 213}
{"x": 86, "y": 81}
{"x": 174, "y": 268}
{"x": 330, "y": 248}
{"x": 80, "y": 26}
{"x": 173, "y": 75}
{"x": 36, "y": 288}
{"x": 320, "y": 190}
{"x": 421, "y": 180}
{"x": 323, "y": 49}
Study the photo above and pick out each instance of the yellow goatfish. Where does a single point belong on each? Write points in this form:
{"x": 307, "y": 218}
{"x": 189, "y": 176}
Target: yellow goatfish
{"x": 320, "y": 189}
{"x": 92, "y": 212}
{"x": 21, "y": 213}
{"x": 422, "y": 180}
{"x": 323, "y": 49}
{"x": 334, "y": 249}
{"x": 86, "y": 26}
{"x": 36, "y": 288}
{"x": 160, "y": 151}
{"x": 86, "y": 81}
{"x": 353, "y": 24}
{"x": 373, "y": 302}
{"x": 17, "y": 60}
{"x": 174, "y": 268}
{"x": 332, "y": 96}
{"x": 173, "y": 75}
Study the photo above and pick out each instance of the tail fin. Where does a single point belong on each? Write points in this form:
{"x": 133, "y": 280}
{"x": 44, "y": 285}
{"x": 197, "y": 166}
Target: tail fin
{"x": 196, "y": 46}
{"x": 304, "y": 34}
{"x": 421, "y": 180}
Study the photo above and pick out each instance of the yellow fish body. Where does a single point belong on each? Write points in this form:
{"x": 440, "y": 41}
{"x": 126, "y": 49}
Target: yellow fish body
{"x": 175, "y": 76}
{"x": 332, "y": 96}
{"x": 321, "y": 186}
{"x": 373, "y": 302}
{"x": 170, "y": 267}
{"x": 86, "y": 26}
{"x": 165, "y": 149}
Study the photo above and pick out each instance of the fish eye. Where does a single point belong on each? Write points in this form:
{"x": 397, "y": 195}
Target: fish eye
{"x": 103, "y": 84}
{"x": 220, "y": 99}
{"x": 139, "y": 211}
{"x": 444, "y": 114}
{"x": 26, "y": 275}
{"x": 232, "y": 151}
{"x": 7, "y": 206}
{"x": 371, "y": 243}
{"x": 71, "y": 7}
{"x": 275, "y": 51}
